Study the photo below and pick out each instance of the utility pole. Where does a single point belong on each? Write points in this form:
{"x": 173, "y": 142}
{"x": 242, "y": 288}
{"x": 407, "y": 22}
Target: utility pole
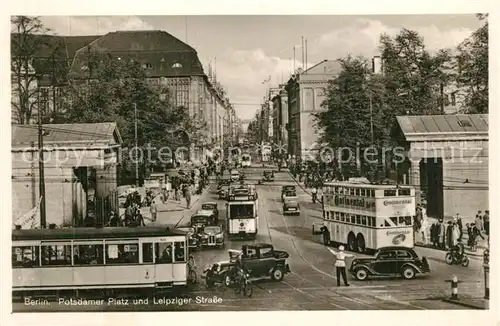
{"x": 441, "y": 88}
{"x": 371, "y": 113}
{"x": 41, "y": 170}
{"x": 136, "y": 148}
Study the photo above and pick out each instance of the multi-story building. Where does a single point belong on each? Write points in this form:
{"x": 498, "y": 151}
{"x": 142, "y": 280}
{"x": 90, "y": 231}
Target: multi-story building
{"x": 168, "y": 62}
{"x": 280, "y": 103}
{"x": 306, "y": 93}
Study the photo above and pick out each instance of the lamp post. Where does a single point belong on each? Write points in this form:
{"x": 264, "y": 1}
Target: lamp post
{"x": 41, "y": 171}
{"x": 486, "y": 266}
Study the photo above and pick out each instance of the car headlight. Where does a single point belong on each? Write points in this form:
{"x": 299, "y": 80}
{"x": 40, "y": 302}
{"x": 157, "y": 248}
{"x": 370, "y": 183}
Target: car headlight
{"x": 205, "y": 236}
{"x": 219, "y": 236}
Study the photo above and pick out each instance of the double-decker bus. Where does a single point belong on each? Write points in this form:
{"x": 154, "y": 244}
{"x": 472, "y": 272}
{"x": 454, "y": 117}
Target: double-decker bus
{"x": 108, "y": 258}
{"x": 367, "y": 216}
{"x": 242, "y": 211}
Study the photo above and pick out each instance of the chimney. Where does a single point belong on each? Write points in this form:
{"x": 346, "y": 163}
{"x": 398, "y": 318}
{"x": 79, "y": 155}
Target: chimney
{"x": 377, "y": 65}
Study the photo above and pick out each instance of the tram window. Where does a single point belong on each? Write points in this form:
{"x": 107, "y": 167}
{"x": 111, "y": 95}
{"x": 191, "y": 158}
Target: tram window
{"x": 363, "y": 220}
{"x": 337, "y": 190}
{"x": 56, "y": 255}
{"x": 25, "y": 256}
{"x": 386, "y": 224}
{"x": 358, "y": 219}
{"x": 363, "y": 192}
{"x": 342, "y": 217}
{"x": 389, "y": 192}
{"x": 351, "y": 192}
{"x": 394, "y": 220}
{"x": 404, "y": 192}
{"x": 372, "y": 193}
{"x": 353, "y": 219}
{"x": 408, "y": 220}
{"x": 122, "y": 253}
{"x": 337, "y": 216}
{"x": 163, "y": 252}
{"x": 88, "y": 254}
{"x": 147, "y": 253}
{"x": 401, "y": 220}
{"x": 358, "y": 192}
{"x": 179, "y": 252}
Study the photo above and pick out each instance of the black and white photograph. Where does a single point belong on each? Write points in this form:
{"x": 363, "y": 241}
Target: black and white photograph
{"x": 268, "y": 162}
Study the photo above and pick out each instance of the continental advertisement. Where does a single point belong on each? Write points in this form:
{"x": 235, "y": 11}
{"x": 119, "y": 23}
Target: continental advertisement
{"x": 397, "y": 206}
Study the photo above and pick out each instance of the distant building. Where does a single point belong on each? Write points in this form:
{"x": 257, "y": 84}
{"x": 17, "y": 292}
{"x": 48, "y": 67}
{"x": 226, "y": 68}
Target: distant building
{"x": 280, "y": 103}
{"x": 306, "y": 93}
{"x": 168, "y": 62}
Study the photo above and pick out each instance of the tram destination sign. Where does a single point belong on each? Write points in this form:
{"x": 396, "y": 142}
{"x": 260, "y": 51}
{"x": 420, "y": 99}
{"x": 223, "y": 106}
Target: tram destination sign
{"x": 358, "y": 202}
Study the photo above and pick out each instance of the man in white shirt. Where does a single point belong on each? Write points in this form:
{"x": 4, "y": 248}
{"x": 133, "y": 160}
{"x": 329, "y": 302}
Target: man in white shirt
{"x": 340, "y": 264}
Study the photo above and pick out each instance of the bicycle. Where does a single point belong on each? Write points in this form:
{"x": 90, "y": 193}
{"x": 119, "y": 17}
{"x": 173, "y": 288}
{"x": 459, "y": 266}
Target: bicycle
{"x": 244, "y": 286}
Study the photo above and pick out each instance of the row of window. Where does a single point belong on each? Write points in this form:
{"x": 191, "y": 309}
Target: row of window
{"x": 362, "y": 192}
{"x": 97, "y": 254}
{"x": 367, "y": 220}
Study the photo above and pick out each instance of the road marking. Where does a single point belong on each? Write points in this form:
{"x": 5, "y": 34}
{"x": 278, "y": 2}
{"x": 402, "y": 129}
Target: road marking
{"x": 394, "y": 300}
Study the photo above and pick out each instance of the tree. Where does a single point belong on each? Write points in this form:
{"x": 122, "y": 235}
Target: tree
{"x": 413, "y": 76}
{"x": 472, "y": 61}
{"x": 112, "y": 91}
{"x": 346, "y": 122}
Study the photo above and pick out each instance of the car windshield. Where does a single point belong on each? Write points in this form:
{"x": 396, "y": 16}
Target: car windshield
{"x": 198, "y": 219}
{"x": 241, "y": 211}
{"x": 212, "y": 229}
{"x": 208, "y": 206}
{"x": 245, "y": 158}
{"x": 288, "y": 188}
{"x": 235, "y": 173}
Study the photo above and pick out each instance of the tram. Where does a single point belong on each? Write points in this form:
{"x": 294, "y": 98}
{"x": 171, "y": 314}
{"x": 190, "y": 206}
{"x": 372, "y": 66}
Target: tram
{"x": 98, "y": 258}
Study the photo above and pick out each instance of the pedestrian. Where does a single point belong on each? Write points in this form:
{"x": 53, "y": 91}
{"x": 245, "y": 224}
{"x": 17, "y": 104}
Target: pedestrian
{"x": 435, "y": 234}
{"x": 423, "y": 230}
{"x": 340, "y": 269}
{"x": 449, "y": 232}
{"x": 442, "y": 234}
{"x": 455, "y": 234}
{"x": 188, "y": 196}
{"x": 154, "y": 210}
{"x": 460, "y": 227}
{"x": 479, "y": 222}
{"x": 486, "y": 222}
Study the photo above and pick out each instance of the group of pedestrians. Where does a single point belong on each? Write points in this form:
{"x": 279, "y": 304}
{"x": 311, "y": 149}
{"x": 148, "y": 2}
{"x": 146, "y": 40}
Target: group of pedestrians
{"x": 447, "y": 235}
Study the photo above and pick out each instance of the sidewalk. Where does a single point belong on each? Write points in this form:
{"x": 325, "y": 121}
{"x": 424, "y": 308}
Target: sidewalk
{"x": 473, "y": 303}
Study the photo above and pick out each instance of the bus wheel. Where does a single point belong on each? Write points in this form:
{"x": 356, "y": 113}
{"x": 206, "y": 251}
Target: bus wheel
{"x": 351, "y": 242}
{"x": 361, "y": 243}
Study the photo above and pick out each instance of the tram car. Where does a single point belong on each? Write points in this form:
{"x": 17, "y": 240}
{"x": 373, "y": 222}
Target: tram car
{"x": 108, "y": 258}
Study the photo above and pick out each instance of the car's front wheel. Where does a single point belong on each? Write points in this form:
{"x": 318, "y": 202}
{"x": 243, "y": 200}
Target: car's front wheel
{"x": 278, "y": 274}
{"x": 361, "y": 274}
{"x": 408, "y": 272}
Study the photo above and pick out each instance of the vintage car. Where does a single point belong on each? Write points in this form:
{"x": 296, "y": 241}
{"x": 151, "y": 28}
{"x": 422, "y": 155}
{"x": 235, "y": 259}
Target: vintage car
{"x": 219, "y": 273}
{"x": 193, "y": 239}
{"x": 286, "y": 189}
{"x": 212, "y": 218}
{"x": 262, "y": 261}
{"x": 211, "y": 206}
{"x": 201, "y": 219}
{"x": 211, "y": 236}
{"x": 390, "y": 261}
{"x": 291, "y": 207}
{"x": 234, "y": 175}
{"x": 268, "y": 175}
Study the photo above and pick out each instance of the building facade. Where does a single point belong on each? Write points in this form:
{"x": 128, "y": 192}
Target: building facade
{"x": 80, "y": 175}
{"x": 168, "y": 63}
{"x": 306, "y": 93}
{"x": 280, "y": 103}
{"x": 449, "y": 163}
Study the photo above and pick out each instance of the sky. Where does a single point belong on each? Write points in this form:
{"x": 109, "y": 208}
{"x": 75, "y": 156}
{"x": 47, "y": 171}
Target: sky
{"x": 247, "y": 50}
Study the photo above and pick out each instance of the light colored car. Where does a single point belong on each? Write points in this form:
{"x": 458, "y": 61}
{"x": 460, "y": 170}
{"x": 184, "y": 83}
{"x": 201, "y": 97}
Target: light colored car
{"x": 291, "y": 208}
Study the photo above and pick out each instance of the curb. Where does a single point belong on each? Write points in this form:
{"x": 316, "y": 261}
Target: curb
{"x": 473, "y": 254}
{"x": 466, "y": 304}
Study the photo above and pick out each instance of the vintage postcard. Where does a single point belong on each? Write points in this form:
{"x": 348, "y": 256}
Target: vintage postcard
{"x": 250, "y": 163}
